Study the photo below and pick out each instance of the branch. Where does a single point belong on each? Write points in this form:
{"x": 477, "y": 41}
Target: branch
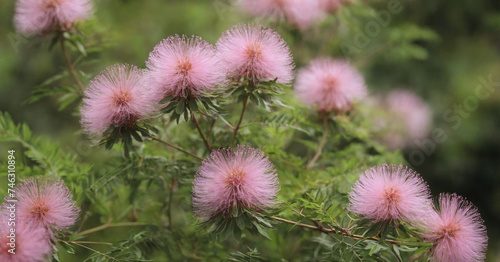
{"x": 108, "y": 225}
{"x": 245, "y": 101}
{"x": 209, "y": 148}
{"x": 176, "y": 147}
{"x": 319, "y": 227}
{"x": 321, "y": 144}
{"x": 70, "y": 65}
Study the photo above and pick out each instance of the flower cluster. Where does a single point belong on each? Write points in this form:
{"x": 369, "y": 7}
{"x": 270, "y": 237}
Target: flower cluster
{"x": 183, "y": 67}
{"x": 391, "y": 193}
{"x": 330, "y": 85}
{"x": 406, "y": 118}
{"x": 118, "y": 96}
{"x": 43, "y": 16}
{"x": 299, "y": 13}
{"x": 44, "y": 206}
{"x": 241, "y": 178}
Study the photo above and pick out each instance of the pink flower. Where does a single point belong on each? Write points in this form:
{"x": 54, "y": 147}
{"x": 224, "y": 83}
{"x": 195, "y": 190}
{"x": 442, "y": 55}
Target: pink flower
{"x": 301, "y": 14}
{"x": 240, "y": 178}
{"x": 42, "y": 16}
{"x": 408, "y": 120}
{"x": 391, "y": 192}
{"x": 330, "y": 6}
{"x": 32, "y": 243}
{"x": 331, "y": 85}
{"x": 182, "y": 66}
{"x": 456, "y": 230}
{"x": 255, "y": 52}
{"x": 117, "y": 96}
{"x": 46, "y": 202}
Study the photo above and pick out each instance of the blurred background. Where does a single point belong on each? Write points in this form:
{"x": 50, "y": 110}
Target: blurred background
{"x": 445, "y": 51}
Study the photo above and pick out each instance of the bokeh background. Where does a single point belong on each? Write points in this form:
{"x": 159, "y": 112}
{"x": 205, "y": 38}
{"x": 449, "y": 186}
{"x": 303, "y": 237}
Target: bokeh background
{"x": 459, "y": 46}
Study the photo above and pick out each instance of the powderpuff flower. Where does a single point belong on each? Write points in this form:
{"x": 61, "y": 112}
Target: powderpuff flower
{"x": 182, "y": 66}
{"x": 254, "y": 51}
{"x": 301, "y": 14}
{"x": 42, "y": 16}
{"x": 240, "y": 178}
{"x": 456, "y": 230}
{"x": 32, "y": 243}
{"x": 117, "y": 96}
{"x": 409, "y": 119}
{"x": 331, "y": 85}
{"x": 330, "y": 6}
{"x": 390, "y": 192}
{"x": 46, "y": 202}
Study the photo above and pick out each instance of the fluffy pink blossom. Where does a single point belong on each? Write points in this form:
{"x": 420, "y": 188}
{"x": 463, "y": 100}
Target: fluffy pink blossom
{"x": 254, "y": 51}
{"x": 117, "y": 96}
{"x": 41, "y": 16}
{"x": 46, "y": 202}
{"x": 240, "y": 178}
{"x": 32, "y": 243}
{"x": 330, "y": 6}
{"x": 390, "y": 192}
{"x": 456, "y": 230}
{"x": 301, "y": 14}
{"x": 182, "y": 66}
{"x": 331, "y": 85}
{"x": 408, "y": 120}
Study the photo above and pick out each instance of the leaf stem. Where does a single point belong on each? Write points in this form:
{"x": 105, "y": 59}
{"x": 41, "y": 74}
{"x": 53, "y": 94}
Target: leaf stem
{"x": 70, "y": 65}
{"x": 195, "y": 121}
{"x": 176, "y": 147}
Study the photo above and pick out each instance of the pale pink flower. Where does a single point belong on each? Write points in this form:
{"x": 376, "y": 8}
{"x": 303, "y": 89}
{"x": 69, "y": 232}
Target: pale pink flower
{"x": 330, "y": 6}
{"x": 118, "y": 96}
{"x": 32, "y": 243}
{"x": 408, "y": 119}
{"x": 240, "y": 178}
{"x": 182, "y": 66}
{"x": 456, "y": 230}
{"x": 300, "y": 13}
{"x": 330, "y": 85}
{"x": 42, "y": 16}
{"x": 46, "y": 202}
{"x": 254, "y": 51}
{"x": 390, "y": 192}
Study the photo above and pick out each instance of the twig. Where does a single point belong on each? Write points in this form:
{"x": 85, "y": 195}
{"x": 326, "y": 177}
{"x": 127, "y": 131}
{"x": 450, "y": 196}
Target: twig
{"x": 329, "y": 231}
{"x": 108, "y": 225}
{"x": 91, "y": 249}
{"x": 169, "y": 208}
{"x": 321, "y": 144}
{"x": 176, "y": 147}
{"x": 70, "y": 65}
{"x": 245, "y": 101}
{"x": 209, "y": 148}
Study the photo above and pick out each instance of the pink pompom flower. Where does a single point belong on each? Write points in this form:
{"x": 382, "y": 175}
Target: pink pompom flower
{"x": 229, "y": 179}
{"x": 456, "y": 230}
{"x": 301, "y": 14}
{"x": 118, "y": 96}
{"x": 408, "y": 119}
{"x": 330, "y": 6}
{"x": 330, "y": 85}
{"x": 46, "y": 202}
{"x": 390, "y": 192}
{"x": 182, "y": 66}
{"x": 42, "y": 16}
{"x": 254, "y": 51}
{"x": 32, "y": 243}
